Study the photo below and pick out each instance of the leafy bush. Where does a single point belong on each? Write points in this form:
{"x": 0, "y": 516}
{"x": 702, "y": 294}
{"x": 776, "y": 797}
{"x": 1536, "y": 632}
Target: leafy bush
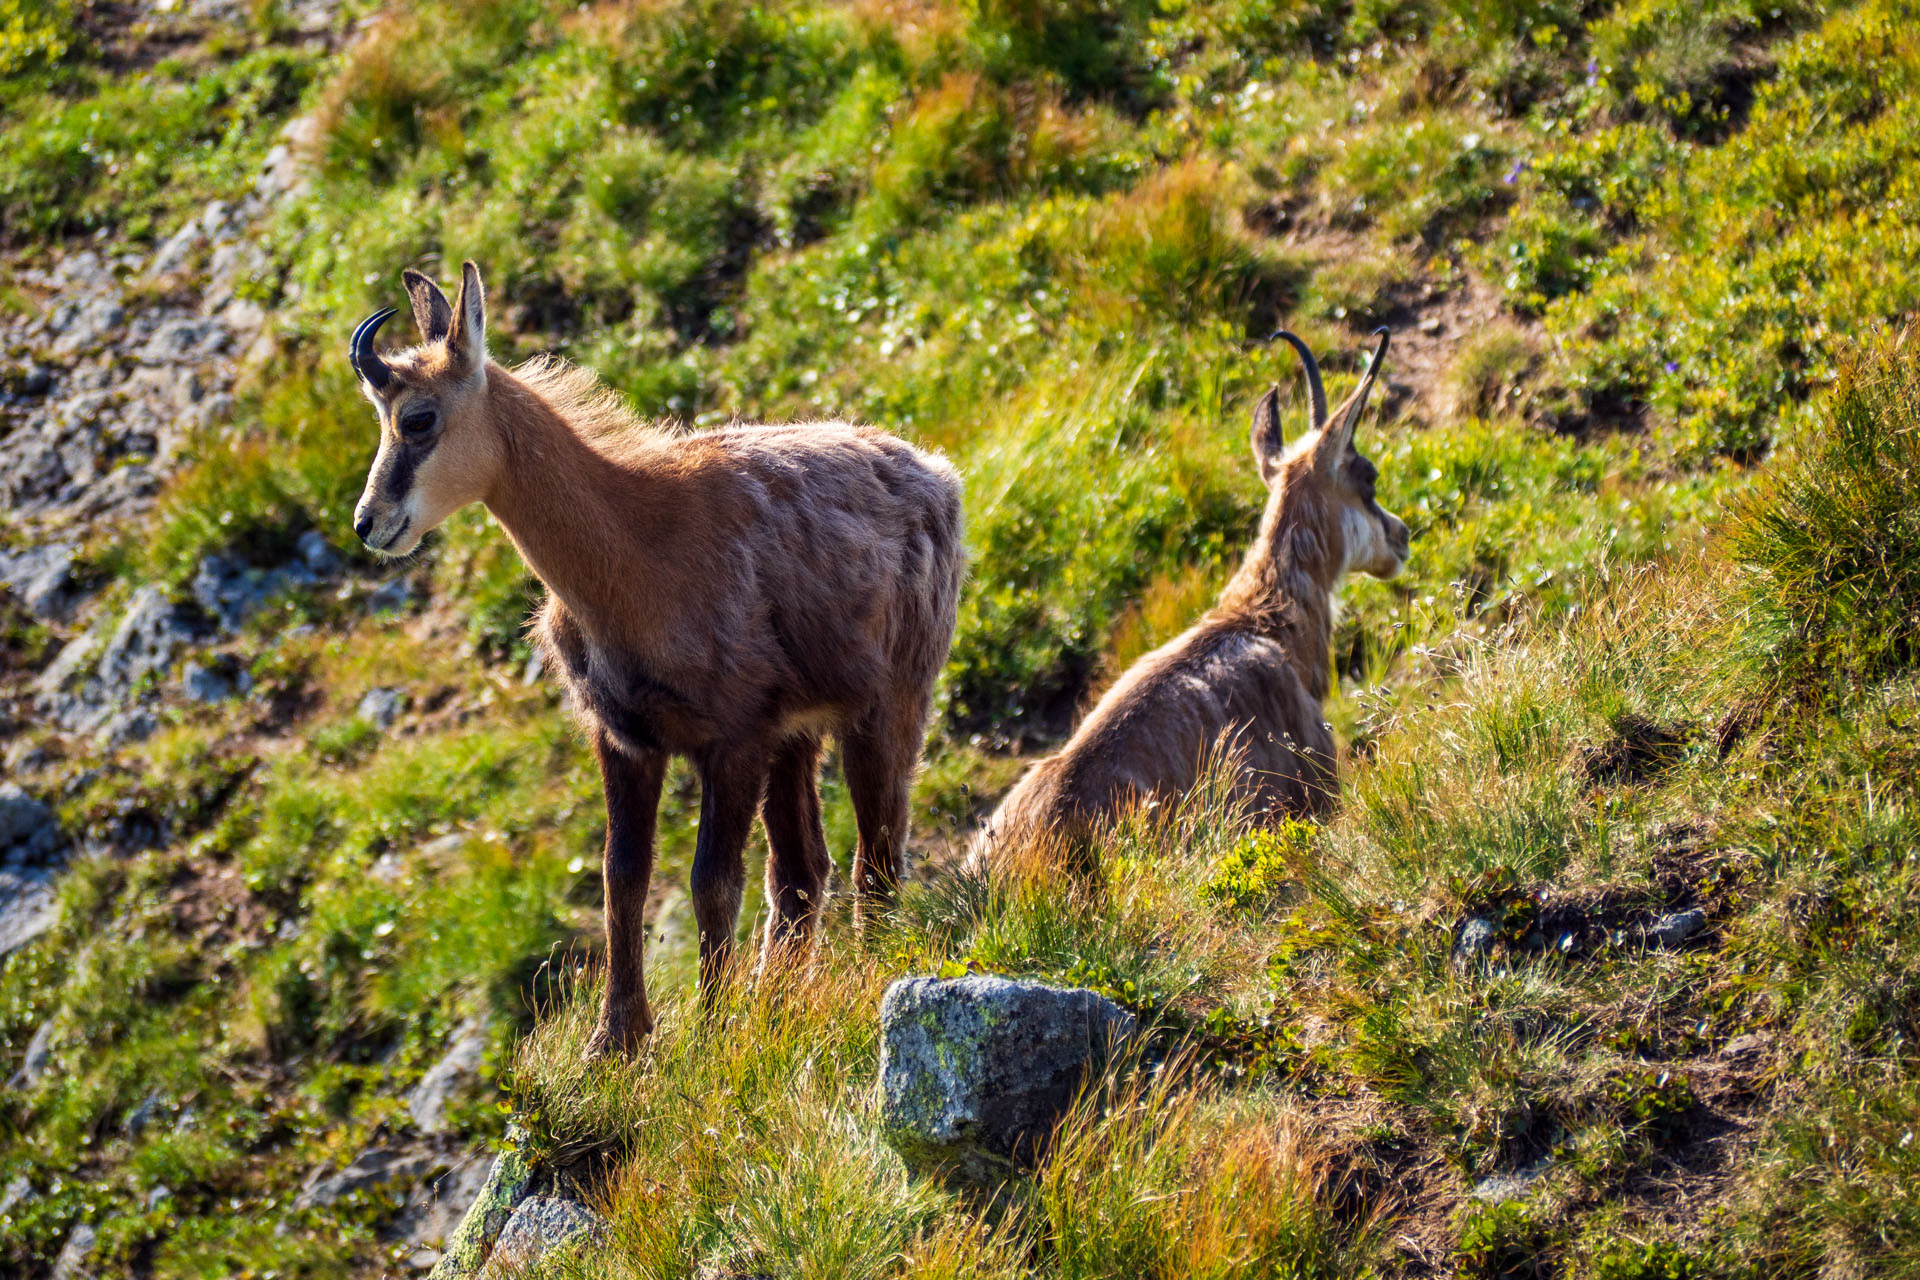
{"x": 1831, "y": 536}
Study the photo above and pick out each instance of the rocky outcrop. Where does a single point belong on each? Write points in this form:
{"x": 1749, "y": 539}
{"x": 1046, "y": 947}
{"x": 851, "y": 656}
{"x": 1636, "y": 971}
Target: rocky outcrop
{"x": 522, "y": 1216}
{"x": 975, "y": 1072}
{"x": 472, "y": 1243}
{"x": 542, "y": 1226}
{"x": 30, "y": 847}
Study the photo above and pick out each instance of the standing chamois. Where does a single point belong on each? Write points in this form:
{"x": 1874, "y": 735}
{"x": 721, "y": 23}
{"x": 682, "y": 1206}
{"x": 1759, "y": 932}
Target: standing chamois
{"x": 728, "y": 595}
{"x": 1246, "y": 683}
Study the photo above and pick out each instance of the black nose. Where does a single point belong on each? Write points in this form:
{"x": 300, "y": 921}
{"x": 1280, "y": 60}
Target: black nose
{"x": 362, "y": 527}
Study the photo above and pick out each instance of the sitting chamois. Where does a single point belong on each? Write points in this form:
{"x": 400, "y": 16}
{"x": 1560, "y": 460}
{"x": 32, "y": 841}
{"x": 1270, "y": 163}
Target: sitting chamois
{"x": 728, "y": 595}
{"x": 1246, "y": 683}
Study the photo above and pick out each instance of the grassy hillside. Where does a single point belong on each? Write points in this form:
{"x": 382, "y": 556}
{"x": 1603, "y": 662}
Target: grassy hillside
{"x": 1653, "y": 653}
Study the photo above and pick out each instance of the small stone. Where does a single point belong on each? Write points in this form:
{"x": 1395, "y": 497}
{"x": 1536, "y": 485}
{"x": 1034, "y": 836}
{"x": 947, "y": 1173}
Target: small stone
{"x": 390, "y": 597}
{"x": 173, "y": 255}
{"x": 28, "y": 907}
{"x": 135, "y": 724}
{"x": 378, "y": 1167}
{"x": 975, "y": 1072}
{"x": 457, "y": 1068}
{"x": 38, "y": 1058}
{"x": 1742, "y": 1045}
{"x": 381, "y": 706}
{"x": 141, "y": 1116}
{"x": 317, "y": 553}
{"x": 1431, "y": 325}
{"x": 17, "y": 1191}
{"x": 41, "y": 578}
{"x": 68, "y": 669}
{"x": 1677, "y": 928}
{"x": 1477, "y": 938}
{"x": 25, "y": 821}
{"x": 86, "y": 325}
{"x": 203, "y": 684}
{"x": 540, "y": 1226}
{"x": 73, "y": 1258}
{"x": 422, "y": 1259}
{"x": 37, "y": 381}
{"x": 1499, "y": 1187}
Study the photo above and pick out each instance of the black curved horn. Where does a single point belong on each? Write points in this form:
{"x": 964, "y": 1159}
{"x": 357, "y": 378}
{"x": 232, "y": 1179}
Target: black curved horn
{"x": 1316, "y": 391}
{"x": 1366, "y": 382}
{"x": 366, "y": 361}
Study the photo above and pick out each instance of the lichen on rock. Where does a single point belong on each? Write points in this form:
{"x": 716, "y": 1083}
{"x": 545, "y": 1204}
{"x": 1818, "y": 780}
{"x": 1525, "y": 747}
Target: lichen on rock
{"x": 976, "y": 1072}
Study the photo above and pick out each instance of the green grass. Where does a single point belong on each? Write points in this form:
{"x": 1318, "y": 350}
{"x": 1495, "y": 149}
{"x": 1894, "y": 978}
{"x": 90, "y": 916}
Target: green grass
{"x": 1625, "y": 673}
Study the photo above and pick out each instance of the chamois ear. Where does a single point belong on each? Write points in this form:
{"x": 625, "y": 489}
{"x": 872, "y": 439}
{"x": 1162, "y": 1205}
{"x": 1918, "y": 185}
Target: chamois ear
{"x": 431, "y": 310}
{"x": 1269, "y": 445}
{"x": 467, "y": 338}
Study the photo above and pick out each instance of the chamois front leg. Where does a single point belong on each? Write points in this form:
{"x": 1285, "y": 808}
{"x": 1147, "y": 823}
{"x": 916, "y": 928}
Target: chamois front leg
{"x": 731, "y": 781}
{"x": 632, "y": 785}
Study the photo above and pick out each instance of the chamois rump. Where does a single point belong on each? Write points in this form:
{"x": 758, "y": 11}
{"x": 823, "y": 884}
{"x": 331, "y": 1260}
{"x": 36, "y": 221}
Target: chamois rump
{"x": 1246, "y": 683}
{"x": 727, "y": 595}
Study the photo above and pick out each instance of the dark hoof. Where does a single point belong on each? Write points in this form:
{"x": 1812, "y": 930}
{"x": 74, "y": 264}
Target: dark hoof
{"x": 618, "y": 1037}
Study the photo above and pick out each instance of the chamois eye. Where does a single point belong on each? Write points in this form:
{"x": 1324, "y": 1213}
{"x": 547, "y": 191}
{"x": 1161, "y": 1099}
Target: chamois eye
{"x": 419, "y": 422}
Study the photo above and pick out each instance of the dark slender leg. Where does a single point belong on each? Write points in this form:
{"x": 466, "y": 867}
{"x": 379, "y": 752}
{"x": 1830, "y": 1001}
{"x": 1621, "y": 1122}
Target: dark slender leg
{"x": 632, "y": 785}
{"x": 879, "y": 767}
{"x": 797, "y": 862}
{"x": 731, "y": 780}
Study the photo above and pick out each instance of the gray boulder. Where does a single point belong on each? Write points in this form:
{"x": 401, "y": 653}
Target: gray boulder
{"x": 28, "y": 907}
{"x": 144, "y": 643}
{"x": 434, "y": 1211}
{"x": 445, "y": 1079}
{"x": 231, "y": 591}
{"x": 41, "y": 578}
{"x": 975, "y": 1072}
{"x": 542, "y": 1225}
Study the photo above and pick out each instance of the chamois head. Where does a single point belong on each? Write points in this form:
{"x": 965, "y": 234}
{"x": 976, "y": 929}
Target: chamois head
{"x": 438, "y": 448}
{"x": 1326, "y": 476}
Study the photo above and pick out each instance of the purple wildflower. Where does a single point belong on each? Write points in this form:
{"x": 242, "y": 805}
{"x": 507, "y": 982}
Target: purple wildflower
{"x": 1673, "y": 366}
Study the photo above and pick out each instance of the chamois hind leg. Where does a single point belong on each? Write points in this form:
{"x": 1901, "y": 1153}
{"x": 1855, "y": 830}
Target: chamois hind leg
{"x": 632, "y": 785}
{"x": 879, "y": 761}
{"x": 797, "y": 862}
{"x": 731, "y": 780}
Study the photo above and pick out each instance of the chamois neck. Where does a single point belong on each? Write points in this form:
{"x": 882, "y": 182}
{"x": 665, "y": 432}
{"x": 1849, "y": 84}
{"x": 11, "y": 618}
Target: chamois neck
{"x": 1284, "y": 590}
{"x": 580, "y": 520}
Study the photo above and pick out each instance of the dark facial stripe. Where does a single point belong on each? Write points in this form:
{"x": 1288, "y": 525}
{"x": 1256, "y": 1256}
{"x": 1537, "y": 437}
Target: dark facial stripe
{"x": 407, "y": 458}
